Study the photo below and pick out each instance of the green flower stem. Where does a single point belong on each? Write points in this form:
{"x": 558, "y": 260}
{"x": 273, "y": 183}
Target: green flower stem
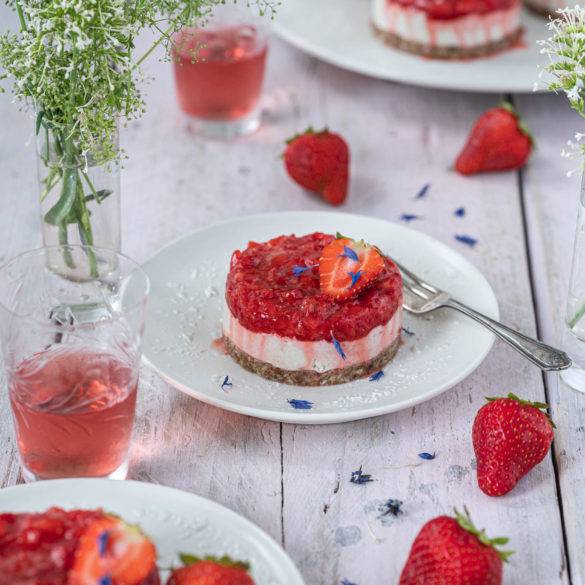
{"x": 577, "y": 316}
{"x": 164, "y": 35}
{"x": 91, "y": 188}
{"x": 84, "y": 226}
{"x": 20, "y": 16}
{"x": 64, "y": 242}
{"x": 50, "y": 181}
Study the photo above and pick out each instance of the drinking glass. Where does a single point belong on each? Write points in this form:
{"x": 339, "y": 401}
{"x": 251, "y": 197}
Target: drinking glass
{"x": 71, "y": 349}
{"x": 219, "y": 71}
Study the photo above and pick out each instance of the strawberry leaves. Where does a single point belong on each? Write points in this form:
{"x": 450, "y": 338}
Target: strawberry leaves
{"x": 542, "y": 406}
{"x": 464, "y": 520}
{"x": 225, "y": 561}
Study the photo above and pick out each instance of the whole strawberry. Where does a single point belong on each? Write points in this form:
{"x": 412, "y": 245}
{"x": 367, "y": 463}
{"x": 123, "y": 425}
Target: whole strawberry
{"x": 210, "y": 571}
{"x": 499, "y": 141}
{"x": 451, "y": 551}
{"x": 510, "y": 437}
{"x": 319, "y": 162}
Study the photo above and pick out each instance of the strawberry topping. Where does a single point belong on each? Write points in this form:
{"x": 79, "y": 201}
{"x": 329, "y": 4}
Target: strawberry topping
{"x": 275, "y": 287}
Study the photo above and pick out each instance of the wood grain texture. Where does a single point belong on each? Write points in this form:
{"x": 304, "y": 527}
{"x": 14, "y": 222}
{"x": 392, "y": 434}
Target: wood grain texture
{"x": 401, "y": 139}
{"x": 551, "y": 201}
{"x": 293, "y": 480}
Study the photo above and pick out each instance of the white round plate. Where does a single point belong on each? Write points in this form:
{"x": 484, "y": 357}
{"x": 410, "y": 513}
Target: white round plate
{"x": 176, "y": 521}
{"x": 185, "y": 309}
{"x": 341, "y": 34}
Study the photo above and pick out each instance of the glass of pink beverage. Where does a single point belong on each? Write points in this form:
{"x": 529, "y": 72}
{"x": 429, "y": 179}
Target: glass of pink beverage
{"x": 219, "y": 71}
{"x": 71, "y": 347}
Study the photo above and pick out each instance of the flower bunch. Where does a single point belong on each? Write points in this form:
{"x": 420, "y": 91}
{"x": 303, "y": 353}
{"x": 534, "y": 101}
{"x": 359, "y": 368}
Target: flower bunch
{"x": 565, "y": 70}
{"x": 73, "y": 61}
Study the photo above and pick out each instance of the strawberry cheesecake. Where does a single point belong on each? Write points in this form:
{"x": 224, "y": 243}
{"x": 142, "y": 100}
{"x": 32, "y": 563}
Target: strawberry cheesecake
{"x": 76, "y": 547}
{"x": 312, "y": 310}
{"x": 448, "y": 29}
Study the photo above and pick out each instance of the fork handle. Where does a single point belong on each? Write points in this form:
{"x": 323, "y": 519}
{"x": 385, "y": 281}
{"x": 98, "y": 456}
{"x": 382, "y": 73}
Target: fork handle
{"x": 544, "y": 356}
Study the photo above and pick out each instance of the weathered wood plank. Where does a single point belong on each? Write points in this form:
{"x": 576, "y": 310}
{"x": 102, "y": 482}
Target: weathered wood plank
{"x": 551, "y": 210}
{"x": 402, "y": 138}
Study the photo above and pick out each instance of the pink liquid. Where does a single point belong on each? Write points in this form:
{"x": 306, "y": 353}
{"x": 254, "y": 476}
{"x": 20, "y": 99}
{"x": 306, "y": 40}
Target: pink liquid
{"x": 74, "y": 412}
{"x": 219, "y": 72}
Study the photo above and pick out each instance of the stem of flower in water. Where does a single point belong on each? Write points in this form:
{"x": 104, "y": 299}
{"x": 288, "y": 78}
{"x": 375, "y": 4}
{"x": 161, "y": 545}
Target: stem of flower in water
{"x": 577, "y": 316}
{"x": 84, "y": 226}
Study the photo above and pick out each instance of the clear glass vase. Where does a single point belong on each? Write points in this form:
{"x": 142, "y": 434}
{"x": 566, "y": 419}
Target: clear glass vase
{"x": 80, "y": 197}
{"x": 573, "y": 333}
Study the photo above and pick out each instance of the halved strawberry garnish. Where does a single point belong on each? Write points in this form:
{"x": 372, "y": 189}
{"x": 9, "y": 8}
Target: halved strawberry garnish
{"x": 111, "y": 551}
{"x": 347, "y": 267}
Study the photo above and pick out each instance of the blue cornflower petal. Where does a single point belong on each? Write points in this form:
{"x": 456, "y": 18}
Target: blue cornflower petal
{"x": 391, "y": 507}
{"x": 298, "y": 270}
{"x": 102, "y": 542}
{"x": 355, "y": 276}
{"x": 427, "y": 456}
{"x": 347, "y": 582}
{"x": 408, "y": 217}
{"x": 359, "y": 478}
{"x": 226, "y": 383}
{"x": 423, "y": 192}
{"x": 300, "y": 404}
{"x": 105, "y": 580}
{"x": 467, "y": 240}
{"x": 460, "y": 212}
{"x": 375, "y": 377}
{"x": 338, "y": 347}
{"x": 349, "y": 253}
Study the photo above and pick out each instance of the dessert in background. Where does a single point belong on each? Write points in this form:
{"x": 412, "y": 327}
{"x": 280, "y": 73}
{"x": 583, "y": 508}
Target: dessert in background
{"x": 448, "y": 29}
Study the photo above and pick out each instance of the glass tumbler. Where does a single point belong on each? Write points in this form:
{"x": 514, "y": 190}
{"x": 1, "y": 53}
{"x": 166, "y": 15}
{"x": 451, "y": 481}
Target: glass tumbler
{"x": 219, "y": 71}
{"x": 71, "y": 349}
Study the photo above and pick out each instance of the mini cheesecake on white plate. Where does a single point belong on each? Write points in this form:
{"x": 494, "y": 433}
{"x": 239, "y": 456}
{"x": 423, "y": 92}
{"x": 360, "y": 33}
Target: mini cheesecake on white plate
{"x": 448, "y": 29}
{"x": 312, "y": 310}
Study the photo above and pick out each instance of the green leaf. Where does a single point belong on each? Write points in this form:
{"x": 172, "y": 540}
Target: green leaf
{"x": 99, "y": 195}
{"x": 58, "y": 214}
{"x": 464, "y": 520}
{"x": 225, "y": 561}
{"x": 39, "y": 121}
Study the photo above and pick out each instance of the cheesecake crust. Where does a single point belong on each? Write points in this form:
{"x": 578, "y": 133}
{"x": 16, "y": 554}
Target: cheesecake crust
{"x": 310, "y": 377}
{"x": 454, "y": 53}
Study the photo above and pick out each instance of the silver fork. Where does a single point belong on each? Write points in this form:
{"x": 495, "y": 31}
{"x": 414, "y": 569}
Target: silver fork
{"x": 420, "y": 297}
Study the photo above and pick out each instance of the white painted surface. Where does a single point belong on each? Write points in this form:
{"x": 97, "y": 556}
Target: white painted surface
{"x": 293, "y": 481}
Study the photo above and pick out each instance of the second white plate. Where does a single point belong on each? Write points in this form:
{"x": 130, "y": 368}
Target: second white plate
{"x": 185, "y": 307}
{"x": 341, "y": 34}
{"x": 176, "y": 521}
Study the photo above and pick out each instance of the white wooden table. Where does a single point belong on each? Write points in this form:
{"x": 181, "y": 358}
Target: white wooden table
{"x": 294, "y": 480}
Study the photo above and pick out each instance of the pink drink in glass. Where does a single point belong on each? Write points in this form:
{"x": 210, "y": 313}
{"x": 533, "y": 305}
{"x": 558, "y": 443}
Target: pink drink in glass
{"x": 73, "y": 411}
{"x": 219, "y": 71}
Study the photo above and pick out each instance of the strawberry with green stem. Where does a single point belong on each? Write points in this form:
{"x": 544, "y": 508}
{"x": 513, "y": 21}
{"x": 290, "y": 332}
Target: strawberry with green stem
{"x": 510, "y": 437}
{"x": 210, "y": 570}
{"x": 499, "y": 141}
{"x": 319, "y": 162}
{"x": 452, "y": 551}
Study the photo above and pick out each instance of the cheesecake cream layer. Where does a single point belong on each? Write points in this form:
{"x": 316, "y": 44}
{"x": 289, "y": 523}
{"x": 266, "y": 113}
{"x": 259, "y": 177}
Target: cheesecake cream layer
{"x": 464, "y": 32}
{"x": 318, "y": 356}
